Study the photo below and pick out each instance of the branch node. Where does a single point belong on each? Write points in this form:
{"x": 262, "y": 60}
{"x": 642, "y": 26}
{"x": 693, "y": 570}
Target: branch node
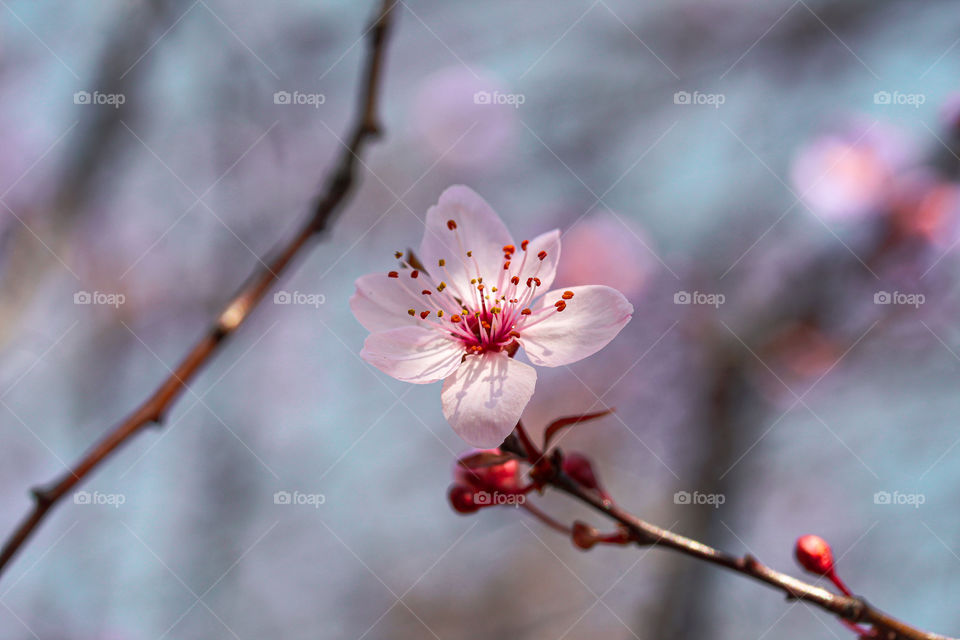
{"x": 43, "y": 497}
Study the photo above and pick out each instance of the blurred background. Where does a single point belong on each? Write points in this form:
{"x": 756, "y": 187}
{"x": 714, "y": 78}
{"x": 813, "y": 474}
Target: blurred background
{"x": 773, "y": 185}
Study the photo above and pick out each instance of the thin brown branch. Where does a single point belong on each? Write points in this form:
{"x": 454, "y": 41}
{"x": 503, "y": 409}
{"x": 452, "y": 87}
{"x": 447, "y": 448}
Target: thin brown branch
{"x": 155, "y": 408}
{"x": 854, "y": 609}
{"x": 545, "y": 519}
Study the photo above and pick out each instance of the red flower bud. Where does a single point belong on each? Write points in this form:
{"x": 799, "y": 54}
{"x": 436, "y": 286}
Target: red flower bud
{"x": 814, "y": 554}
{"x": 578, "y": 467}
{"x": 503, "y": 476}
{"x": 461, "y": 499}
{"x": 584, "y": 536}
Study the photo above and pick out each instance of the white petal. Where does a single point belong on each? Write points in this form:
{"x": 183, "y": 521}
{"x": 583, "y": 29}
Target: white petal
{"x": 593, "y": 317}
{"x": 413, "y": 354}
{"x": 381, "y": 303}
{"x": 549, "y": 242}
{"x": 484, "y": 398}
{"x": 480, "y": 229}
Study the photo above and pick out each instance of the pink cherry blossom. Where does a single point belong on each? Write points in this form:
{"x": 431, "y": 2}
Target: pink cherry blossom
{"x": 479, "y": 298}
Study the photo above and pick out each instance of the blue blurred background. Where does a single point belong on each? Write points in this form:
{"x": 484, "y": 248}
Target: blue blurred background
{"x": 796, "y": 158}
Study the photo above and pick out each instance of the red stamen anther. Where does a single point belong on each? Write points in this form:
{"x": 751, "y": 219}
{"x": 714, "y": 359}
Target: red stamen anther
{"x": 506, "y": 265}
{"x": 424, "y": 314}
{"x": 537, "y": 280}
{"x": 451, "y": 225}
{"x": 542, "y": 255}
{"x": 515, "y": 280}
{"x": 523, "y": 245}
{"x": 560, "y": 305}
{"x": 509, "y": 248}
{"x": 526, "y": 312}
{"x": 567, "y": 295}
{"x": 455, "y": 319}
{"x": 393, "y": 274}
{"x": 426, "y": 292}
{"x": 414, "y": 273}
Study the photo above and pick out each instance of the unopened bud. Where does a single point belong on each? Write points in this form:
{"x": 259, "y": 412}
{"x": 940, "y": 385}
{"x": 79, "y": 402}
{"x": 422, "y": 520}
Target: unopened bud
{"x": 578, "y": 467}
{"x": 583, "y": 535}
{"x": 461, "y": 499}
{"x": 501, "y": 476}
{"x": 814, "y": 554}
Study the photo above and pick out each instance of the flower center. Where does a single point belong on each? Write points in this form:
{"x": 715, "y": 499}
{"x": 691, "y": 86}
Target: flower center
{"x": 481, "y": 316}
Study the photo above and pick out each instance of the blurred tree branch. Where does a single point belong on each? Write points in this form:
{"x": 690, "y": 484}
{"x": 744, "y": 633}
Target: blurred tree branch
{"x": 338, "y": 185}
{"x": 92, "y": 147}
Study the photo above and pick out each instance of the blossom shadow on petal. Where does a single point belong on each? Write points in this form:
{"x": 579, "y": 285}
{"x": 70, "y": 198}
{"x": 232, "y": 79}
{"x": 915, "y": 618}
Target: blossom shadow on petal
{"x": 484, "y": 398}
